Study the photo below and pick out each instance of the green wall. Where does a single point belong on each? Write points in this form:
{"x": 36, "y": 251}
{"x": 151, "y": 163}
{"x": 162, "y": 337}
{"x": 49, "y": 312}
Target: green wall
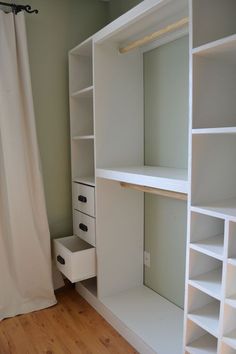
{"x": 59, "y": 26}
{"x": 166, "y": 141}
{"x": 118, "y": 7}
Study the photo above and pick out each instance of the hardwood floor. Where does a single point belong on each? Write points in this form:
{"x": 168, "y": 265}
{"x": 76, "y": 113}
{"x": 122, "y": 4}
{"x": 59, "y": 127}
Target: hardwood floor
{"x": 70, "y": 327}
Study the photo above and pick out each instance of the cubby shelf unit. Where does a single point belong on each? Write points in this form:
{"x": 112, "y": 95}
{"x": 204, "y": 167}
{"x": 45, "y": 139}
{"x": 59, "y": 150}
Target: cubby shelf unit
{"x": 212, "y": 210}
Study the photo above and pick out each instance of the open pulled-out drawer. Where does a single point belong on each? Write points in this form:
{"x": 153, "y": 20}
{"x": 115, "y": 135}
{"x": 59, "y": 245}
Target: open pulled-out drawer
{"x": 75, "y": 258}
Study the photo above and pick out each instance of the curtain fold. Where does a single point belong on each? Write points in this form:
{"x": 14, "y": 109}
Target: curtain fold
{"x": 25, "y": 255}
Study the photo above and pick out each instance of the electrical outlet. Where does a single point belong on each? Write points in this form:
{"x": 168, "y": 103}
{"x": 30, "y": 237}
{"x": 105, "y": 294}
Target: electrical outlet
{"x": 147, "y": 259}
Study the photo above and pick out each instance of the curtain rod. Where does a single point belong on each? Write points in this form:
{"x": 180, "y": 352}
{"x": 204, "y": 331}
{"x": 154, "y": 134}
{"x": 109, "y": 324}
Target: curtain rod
{"x": 17, "y": 8}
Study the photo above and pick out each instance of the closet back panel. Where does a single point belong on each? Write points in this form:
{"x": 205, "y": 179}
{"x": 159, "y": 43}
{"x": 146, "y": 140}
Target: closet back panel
{"x": 166, "y": 105}
{"x": 166, "y": 144}
{"x": 165, "y": 239}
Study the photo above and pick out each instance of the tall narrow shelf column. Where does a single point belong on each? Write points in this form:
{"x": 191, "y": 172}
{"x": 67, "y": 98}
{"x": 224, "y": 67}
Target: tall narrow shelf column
{"x": 210, "y": 324}
{"x": 76, "y": 255}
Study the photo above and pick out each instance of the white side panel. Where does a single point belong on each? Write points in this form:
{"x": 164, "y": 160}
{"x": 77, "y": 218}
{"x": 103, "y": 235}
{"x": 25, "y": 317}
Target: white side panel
{"x": 119, "y": 238}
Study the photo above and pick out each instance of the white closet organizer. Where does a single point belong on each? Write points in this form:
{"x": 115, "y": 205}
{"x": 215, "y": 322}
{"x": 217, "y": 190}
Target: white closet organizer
{"x": 210, "y": 313}
{"x": 75, "y": 255}
{"x": 107, "y": 147}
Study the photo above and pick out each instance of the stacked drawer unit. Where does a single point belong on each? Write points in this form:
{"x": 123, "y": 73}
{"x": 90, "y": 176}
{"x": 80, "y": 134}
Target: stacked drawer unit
{"x": 84, "y": 212}
{"x": 75, "y": 255}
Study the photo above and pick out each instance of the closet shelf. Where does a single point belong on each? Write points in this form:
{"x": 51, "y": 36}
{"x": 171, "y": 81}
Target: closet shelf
{"x": 156, "y": 177}
{"x": 150, "y": 316}
{"x": 230, "y": 339}
{"x": 221, "y": 209}
{"x": 224, "y": 48}
{"x": 84, "y": 48}
{"x": 232, "y": 261}
{"x": 207, "y": 317}
{"x": 231, "y": 301}
{"x": 205, "y": 344}
{"x": 222, "y": 130}
{"x": 83, "y": 137}
{"x": 209, "y": 283}
{"x": 84, "y": 93}
{"x": 212, "y": 246}
{"x": 85, "y": 180}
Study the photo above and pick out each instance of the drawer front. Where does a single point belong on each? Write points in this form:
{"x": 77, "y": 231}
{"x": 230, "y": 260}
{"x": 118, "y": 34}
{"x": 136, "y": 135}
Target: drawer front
{"x": 75, "y": 261}
{"x": 84, "y": 227}
{"x": 83, "y": 198}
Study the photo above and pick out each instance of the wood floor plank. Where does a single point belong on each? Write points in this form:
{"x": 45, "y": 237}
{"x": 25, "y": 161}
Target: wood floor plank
{"x": 70, "y": 327}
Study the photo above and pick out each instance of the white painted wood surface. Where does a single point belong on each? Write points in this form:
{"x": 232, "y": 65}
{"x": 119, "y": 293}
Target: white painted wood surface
{"x": 203, "y": 345}
{"x": 88, "y": 230}
{"x": 158, "y": 177}
{"x": 88, "y": 192}
{"x": 150, "y": 316}
{"x": 207, "y": 317}
{"x": 119, "y": 231}
{"x": 79, "y": 258}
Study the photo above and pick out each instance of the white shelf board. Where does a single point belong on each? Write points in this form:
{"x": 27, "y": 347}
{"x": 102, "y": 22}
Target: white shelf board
{"x": 209, "y": 283}
{"x": 224, "y": 209}
{"x": 230, "y": 339}
{"x": 207, "y": 317}
{"x": 83, "y": 137}
{"x": 84, "y": 48}
{"x": 232, "y": 261}
{"x": 205, "y": 344}
{"x": 154, "y": 319}
{"x": 212, "y": 246}
{"x": 157, "y": 177}
{"x": 231, "y": 301}
{"x": 84, "y": 93}
{"x": 85, "y": 180}
{"x": 223, "y": 130}
{"x": 142, "y": 19}
{"x": 90, "y": 285}
{"x": 224, "y": 48}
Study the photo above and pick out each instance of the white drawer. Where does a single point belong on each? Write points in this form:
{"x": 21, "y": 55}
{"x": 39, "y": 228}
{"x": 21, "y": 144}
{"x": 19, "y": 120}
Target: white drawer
{"x": 83, "y": 198}
{"x": 84, "y": 227}
{"x": 75, "y": 258}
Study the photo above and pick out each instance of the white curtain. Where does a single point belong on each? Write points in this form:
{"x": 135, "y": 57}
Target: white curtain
{"x": 25, "y": 255}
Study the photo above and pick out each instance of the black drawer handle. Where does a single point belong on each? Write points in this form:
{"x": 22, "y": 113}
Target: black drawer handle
{"x": 61, "y": 260}
{"x": 83, "y": 227}
{"x": 82, "y": 199}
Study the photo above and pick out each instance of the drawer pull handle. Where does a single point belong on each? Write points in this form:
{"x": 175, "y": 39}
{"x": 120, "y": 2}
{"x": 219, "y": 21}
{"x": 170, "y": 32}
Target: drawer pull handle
{"x": 83, "y": 227}
{"x": 61, "y": 260}
{"x": 82, "y": 199}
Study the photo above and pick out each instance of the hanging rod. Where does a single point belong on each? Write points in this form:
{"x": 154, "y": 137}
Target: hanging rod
{"x": 17, "y": 8}
{"x": 156, "y": 191}
{"x": 152, "y": 36}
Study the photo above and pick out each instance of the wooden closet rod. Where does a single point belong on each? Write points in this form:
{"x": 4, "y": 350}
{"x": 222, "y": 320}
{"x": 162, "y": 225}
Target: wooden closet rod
{"x": 157, "y": 191}
{"x": 152, "y": 36}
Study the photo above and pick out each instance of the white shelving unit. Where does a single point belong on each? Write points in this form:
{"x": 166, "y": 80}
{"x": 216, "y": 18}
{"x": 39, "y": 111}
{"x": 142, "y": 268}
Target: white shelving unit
{"x": 212, "y": 206}
{"x": 107, "y": 147}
